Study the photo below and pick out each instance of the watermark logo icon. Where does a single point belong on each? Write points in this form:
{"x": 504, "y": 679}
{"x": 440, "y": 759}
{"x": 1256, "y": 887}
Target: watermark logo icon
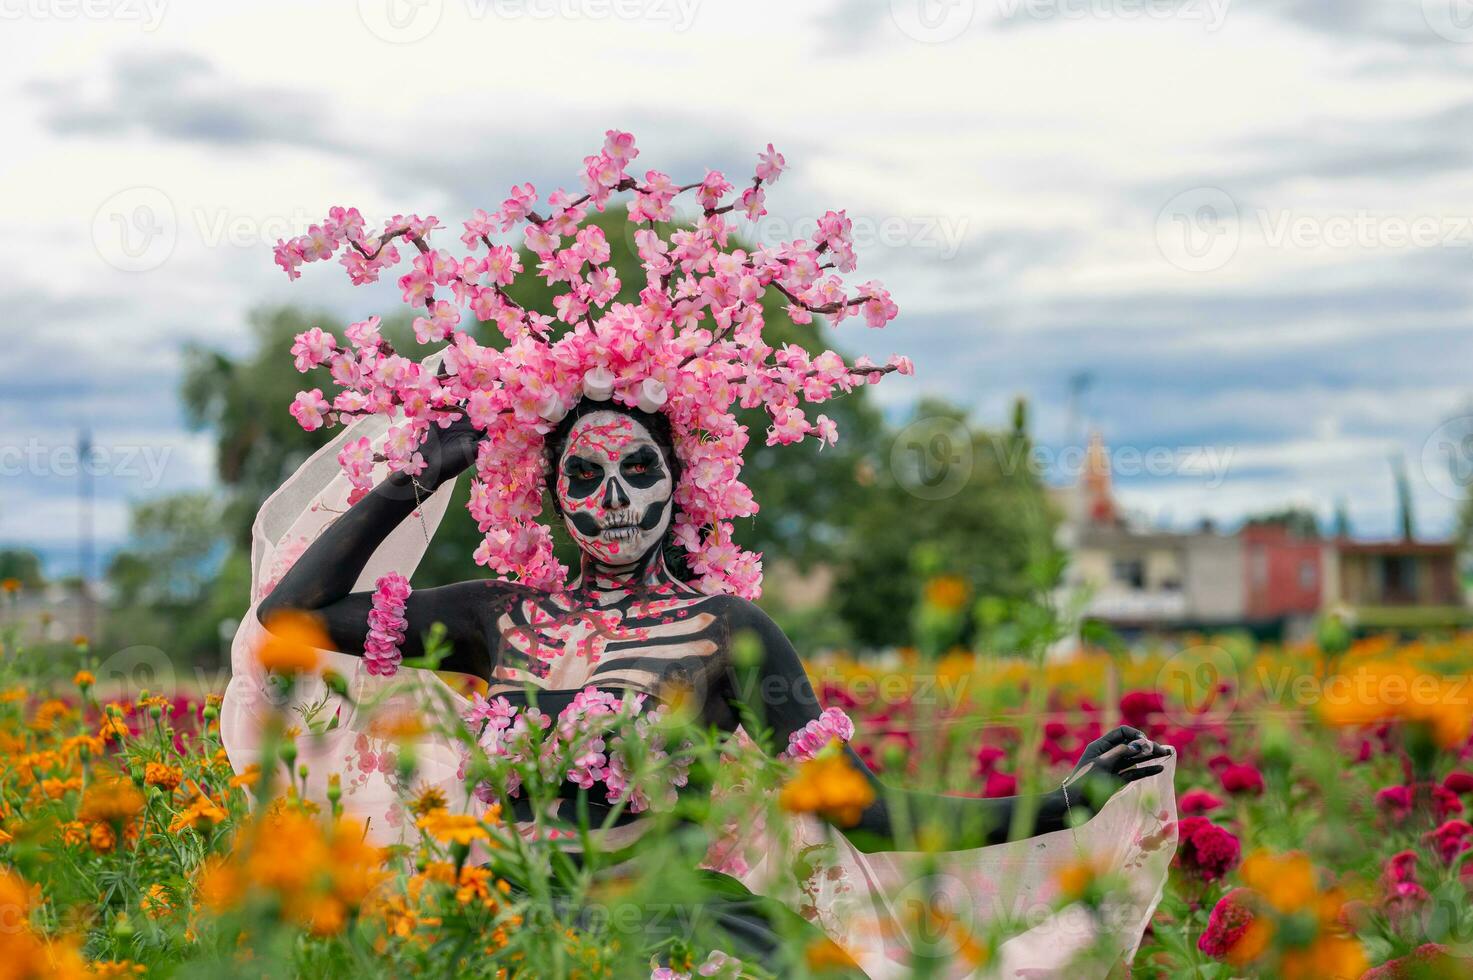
{"x": 932, "y": 458}
{"x": 401, "y": 21}
{"x": 933, "y": 21}
{"x": 1451, "y": 20}
{"x": 1199, "y": 230}
{"x": 136, "y": 229}
{"x": 1447, "y": 458}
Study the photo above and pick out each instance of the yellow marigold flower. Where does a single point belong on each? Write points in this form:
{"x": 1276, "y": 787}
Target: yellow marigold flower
{"x": 163, "y": 776}
{"x": 213, "y": 700}
{"x": 1285, "y": 881}
{"x": 292, "y": 642}
{"x": 202, "y": 811}
{"x": 429, "y": 799}
{"x": 830, "y": 787}
{"x": 456, "y": 828}
{"x": 113, "y": 800}
{"x": 156, "y": 902}
{"x": 84, "y": 679}
{"x": 102, "y": 837}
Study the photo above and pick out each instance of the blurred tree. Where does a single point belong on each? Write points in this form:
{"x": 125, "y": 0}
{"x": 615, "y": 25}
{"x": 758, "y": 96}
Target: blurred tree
{"x": 910, "y": 549}
{"x": 164, "y": 579}
{"x": 23, "y": 565}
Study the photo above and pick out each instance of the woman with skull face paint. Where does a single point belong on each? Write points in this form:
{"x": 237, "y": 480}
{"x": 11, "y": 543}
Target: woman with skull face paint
{"x": 629, "y": 623}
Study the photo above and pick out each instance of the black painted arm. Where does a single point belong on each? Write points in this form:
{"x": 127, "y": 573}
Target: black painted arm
{"x": 778, "y": 692}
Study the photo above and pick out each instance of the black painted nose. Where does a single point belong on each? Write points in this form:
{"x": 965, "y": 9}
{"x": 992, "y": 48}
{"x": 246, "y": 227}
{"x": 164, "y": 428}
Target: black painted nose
{"x": 614, "y": 496}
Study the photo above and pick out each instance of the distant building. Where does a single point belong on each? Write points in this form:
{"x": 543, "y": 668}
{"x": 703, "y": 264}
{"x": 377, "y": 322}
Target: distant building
{"x": 1274, "y": 578}
{"x": 1397, "y": 584}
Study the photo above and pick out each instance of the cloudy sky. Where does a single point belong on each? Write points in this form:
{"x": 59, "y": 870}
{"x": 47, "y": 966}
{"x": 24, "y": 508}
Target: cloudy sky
{"x": 1247, "y": 224}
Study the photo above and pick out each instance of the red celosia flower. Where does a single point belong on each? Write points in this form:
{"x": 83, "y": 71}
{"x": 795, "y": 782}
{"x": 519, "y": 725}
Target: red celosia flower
{"x": 1137, "y": 707}
{"x": 1229, "y": 920}
{"x": 1400, "y": 867}
{"x": 1241, "y": 777}
{"x": 1205, "y": 849}
{"x": 1450, "y": 840}
{"x": 1397, "y": 800}
{"x": 1000, "y": 784}
{"x": 1198, "y": 801}
{"x": 988, "y": 756}
{"x": 1459, "y": 782}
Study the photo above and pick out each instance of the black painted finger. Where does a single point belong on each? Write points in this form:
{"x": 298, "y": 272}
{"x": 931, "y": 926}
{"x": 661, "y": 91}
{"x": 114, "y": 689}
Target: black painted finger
{"x": 1131, "y": 775}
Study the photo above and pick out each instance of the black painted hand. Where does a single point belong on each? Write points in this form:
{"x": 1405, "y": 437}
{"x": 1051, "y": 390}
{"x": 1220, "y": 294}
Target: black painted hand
{"x": 449, "y": 452}
{"x": 1120, "y": 757}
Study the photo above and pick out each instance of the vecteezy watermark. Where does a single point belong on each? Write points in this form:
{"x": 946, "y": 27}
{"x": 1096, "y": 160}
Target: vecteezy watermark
{"x": 1451, "y": 20}
{"x": 938, "y": 233}
{"x": 139, "y": 228}
{"x": 148, "y": 14}
{"x": 1210, "y": 13}
{"x": 136, "y": 229}
{"x": 1447, "y": 458}
{"x": 34, "y": 458}
{"x": 1202, "y": 229}
{"x": 932, "y": 458}
{"x": 1068, "y": 463}
{"x": 408, "y": 21}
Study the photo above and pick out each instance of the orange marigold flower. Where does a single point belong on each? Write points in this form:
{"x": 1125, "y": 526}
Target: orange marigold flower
{"x": 116, "y": 968}
{"x": 113, "y": 727}
{"x": 84, "y": 679}
{"x": 156, "y": 902}
{"x": 102, "y": 837}
{"x": 830, "y": 787}
{"x": 219, "y": 885}
{"x": 112, "y": 800}
{"x": 1286, "y": 881}
{"x": 250, "y": 777}
{"x": 10, "y": 585}
{"x": 163, "y": 776}
{"x": 292, "y": 642}
{"x": 74, "y": 833}
{"x": 947, "y": 592}
{"x": 201, "y": 812}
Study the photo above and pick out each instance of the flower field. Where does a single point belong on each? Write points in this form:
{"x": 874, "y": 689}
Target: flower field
{"x": 1323, "y": 832}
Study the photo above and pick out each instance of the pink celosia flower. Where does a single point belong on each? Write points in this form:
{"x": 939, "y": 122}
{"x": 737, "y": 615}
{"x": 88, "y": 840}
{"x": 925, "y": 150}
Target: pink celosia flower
{"x": 1196, "y": 801}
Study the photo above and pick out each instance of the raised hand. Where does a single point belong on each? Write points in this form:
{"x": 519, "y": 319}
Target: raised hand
{"x": 449, "y": 452}
{"x": 1117, "y": 758}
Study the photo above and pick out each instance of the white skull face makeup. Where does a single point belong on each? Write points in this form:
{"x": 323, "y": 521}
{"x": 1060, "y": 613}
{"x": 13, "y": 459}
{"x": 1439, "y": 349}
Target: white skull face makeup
{"x": 614, "y": 488}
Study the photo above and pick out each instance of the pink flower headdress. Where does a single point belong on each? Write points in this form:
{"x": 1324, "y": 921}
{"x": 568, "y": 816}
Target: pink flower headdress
{"x": 691, "y": 347}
